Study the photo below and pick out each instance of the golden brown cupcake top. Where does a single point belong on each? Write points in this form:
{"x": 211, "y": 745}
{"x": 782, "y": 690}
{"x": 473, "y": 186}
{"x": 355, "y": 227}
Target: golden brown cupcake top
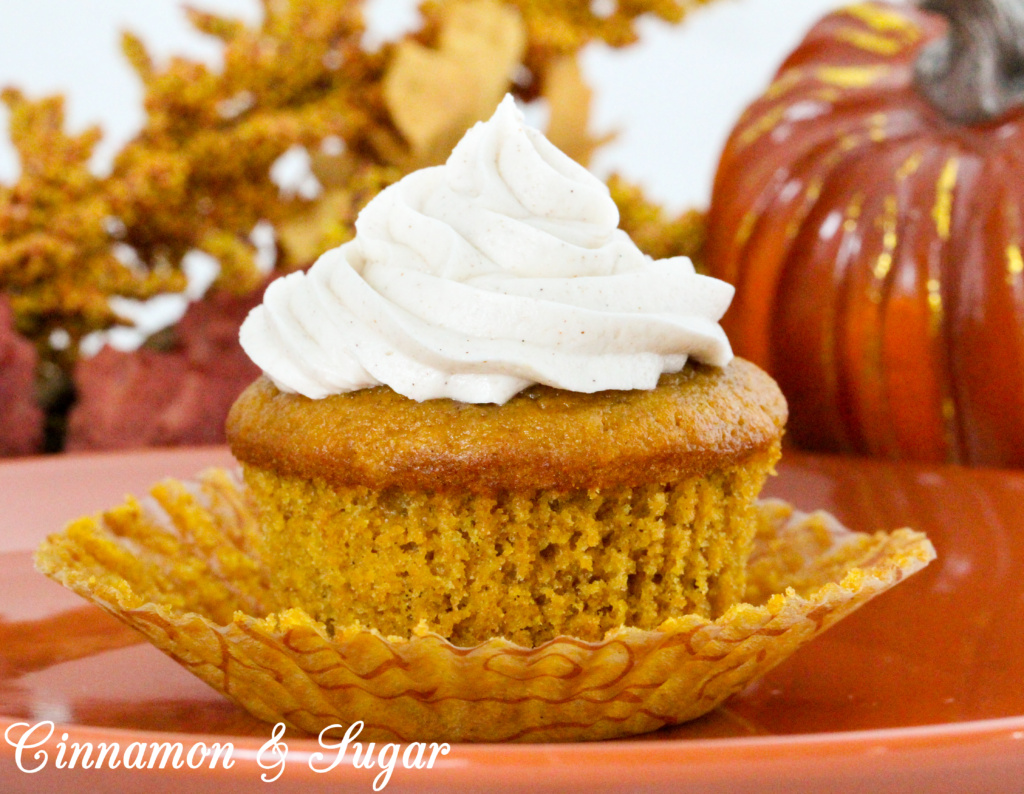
{"x": 695, "y": 421}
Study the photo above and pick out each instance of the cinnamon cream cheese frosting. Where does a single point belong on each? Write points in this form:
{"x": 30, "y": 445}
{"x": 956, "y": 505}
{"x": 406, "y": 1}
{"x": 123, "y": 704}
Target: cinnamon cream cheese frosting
{"x": 473, "y": 280}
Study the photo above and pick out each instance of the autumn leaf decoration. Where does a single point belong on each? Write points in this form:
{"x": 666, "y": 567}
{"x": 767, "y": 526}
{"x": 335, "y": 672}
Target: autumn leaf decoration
{"x": 197, "y": 176}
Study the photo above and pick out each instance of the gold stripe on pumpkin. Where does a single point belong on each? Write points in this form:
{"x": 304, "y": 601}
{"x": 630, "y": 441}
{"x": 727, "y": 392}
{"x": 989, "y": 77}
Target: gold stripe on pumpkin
{"x": 910, "y": 166}
{"x": 882, "y": 20}
{"x": 850, "y": 142}
{"x": 882, "y": 265}
{"x": 887, "y": 222}
{"x": 934, "y": 287}
{"x": 811, "y": 194}
{"x": 830, "y": 95}
{"x": 1014, "y": 261}
{"x": 871, "y": 42}
{"x": 949, "y": 428}
{"x": 761, "y": 125}
{"x": 942, "y": 213}
{"x": 851, "y": 76}
{"x": 746, "y": 227}
{"x": 876, "y": 127}
{"x": 853, "y": 213}
{"x": 784, "y": 83}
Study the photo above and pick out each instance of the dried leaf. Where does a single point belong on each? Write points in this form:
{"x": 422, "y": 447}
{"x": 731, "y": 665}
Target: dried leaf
{"x": 330, "y": 221}
{"x": 307, "y": 235}
{"x": 569, "y": 99}
{"x": 435, "y": 94}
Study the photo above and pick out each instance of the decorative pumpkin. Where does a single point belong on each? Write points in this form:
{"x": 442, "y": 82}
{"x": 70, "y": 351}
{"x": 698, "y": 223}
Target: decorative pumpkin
{"x": 869, "y": 209}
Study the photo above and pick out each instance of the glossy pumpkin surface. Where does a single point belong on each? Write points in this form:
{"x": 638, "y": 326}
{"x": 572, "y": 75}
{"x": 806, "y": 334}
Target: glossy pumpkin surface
{"x": 876, "y": 247}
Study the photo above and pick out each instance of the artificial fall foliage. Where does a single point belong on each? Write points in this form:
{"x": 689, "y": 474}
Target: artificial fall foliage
{"x": 197, "y": 177}
{"x": 58, "y": 262}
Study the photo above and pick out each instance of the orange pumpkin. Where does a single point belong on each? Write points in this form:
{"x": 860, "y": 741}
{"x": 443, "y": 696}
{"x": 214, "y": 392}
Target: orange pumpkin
{"x": 869, "y": 208}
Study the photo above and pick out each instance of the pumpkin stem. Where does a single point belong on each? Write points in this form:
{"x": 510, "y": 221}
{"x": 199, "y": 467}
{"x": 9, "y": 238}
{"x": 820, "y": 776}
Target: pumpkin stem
{"x": 976, "y": 72}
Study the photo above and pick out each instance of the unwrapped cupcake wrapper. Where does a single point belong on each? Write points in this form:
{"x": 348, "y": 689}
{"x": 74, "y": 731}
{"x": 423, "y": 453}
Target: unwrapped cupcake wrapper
{"x": 182, "y": 567}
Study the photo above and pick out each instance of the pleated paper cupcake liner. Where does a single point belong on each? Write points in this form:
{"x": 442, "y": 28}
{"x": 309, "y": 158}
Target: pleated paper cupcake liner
{"x": 182, "y": 567}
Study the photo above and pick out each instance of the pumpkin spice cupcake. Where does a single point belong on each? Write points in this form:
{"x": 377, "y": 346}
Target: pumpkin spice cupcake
{"x": 555, "y": 513}
{"x": 408, "y": 473}
{"x": 500, "y": 474}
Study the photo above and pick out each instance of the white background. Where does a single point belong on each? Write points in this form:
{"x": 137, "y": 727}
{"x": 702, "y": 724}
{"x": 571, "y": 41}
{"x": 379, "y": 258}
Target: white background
{"x": 673, "y": 97}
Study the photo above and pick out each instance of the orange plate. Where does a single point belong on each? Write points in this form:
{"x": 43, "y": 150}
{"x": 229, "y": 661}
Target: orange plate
{"x": 920, "y": 690}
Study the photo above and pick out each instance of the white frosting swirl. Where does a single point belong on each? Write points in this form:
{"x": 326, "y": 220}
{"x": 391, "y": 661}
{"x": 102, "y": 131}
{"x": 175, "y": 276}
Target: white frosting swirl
{"x": 473, "y": 280}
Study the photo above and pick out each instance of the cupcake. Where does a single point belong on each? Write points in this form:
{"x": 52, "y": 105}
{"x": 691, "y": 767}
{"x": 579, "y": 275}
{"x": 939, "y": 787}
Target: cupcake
{"x": 491, "y": 416}
{"x": 499, "y": 482}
